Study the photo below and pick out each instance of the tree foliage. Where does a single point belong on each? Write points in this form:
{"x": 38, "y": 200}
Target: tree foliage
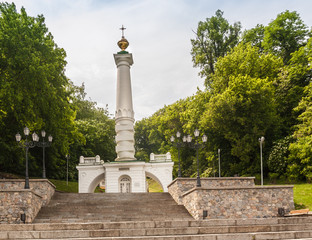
{"x": 35, "y": 92}
{"x": 214, "y": 38}
{"x": 301, "y": 150}
{"x": 285, "y": 35}
{"x": 258, "y": 87}
{"x": 32, "y": 88}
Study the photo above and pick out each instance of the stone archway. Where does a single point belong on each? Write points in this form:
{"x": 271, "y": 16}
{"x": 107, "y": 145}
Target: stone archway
{"x": 150, "y": 175}
{"x": 95, "y": 182}
{"x": 89, "y": 176}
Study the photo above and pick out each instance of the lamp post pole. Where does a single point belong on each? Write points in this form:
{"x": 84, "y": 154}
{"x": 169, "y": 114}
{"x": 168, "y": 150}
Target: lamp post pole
{"x": 178, "y": 144}
{"x": 197, "y": 146}
{"x": 261, "y": 140}
{"x": 67, "y": 157}
{"x": 219, "y": 157}
{"x": 44, "y": 144}
{"x": 27, "y": 144}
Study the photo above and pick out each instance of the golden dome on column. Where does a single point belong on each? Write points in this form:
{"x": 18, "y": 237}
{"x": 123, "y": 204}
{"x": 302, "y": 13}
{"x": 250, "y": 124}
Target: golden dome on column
{"x": 123, "y": 42}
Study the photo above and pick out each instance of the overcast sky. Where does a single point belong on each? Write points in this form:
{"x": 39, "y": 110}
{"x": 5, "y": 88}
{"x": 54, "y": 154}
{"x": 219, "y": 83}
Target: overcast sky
{"x": 159, "y": 33}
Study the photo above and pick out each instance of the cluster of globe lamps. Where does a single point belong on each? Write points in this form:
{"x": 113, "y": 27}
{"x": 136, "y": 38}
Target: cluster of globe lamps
{"x": 30, "y": 144}
{"x": 187, "y": 140}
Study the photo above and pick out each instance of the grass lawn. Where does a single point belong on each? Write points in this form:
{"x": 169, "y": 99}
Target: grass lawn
{"x": 62, "y": 186}
{"x": 153, "y": 186}
{"x": 303, "y": 196}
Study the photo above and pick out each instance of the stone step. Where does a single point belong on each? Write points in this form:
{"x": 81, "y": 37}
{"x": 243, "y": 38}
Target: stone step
{"x": 160, "y": 224}
{"x": 141, "y": 229}
{"x": 83, "y": 235}
{"x": 234, "y": 229}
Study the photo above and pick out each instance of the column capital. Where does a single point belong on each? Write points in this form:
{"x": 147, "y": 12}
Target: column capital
{"x": 123, "y": 57}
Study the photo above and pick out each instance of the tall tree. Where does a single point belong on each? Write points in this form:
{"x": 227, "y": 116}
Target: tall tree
{"x": 33, "y": 89}
{"x": 285, "y": 35}
{"x": 214, "y": 38}
{"x": 240, "y": 114}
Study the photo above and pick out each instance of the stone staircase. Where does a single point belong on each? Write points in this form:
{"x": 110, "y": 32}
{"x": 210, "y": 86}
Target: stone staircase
{"x": 153, "y": 216}
{"x": 243, "y": 229}
{"x": 116, "y": 207}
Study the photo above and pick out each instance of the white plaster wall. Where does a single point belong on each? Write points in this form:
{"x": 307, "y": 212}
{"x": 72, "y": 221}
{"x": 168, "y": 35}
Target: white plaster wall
{"x": 115, "y": 170}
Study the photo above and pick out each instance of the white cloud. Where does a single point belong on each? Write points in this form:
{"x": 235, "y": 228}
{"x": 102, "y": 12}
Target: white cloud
{"x": 159, "y": 33}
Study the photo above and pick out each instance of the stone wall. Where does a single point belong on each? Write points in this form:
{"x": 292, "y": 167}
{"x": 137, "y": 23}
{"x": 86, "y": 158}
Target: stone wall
{"x": 13, "y": 203}
{"x": 181, "y": 185}
{"x": 238, "y": 202}
{"x": 15, "y": 200}
{"x": 42, "y": 187}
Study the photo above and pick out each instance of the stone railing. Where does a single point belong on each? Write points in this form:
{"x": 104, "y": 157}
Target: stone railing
{"x": 90, "y": 160}
{"x": 179, "y": 186}
{"x": 160, "y": 157}
{"x": 15, "y": 200}
{"x": 238, "y": 202}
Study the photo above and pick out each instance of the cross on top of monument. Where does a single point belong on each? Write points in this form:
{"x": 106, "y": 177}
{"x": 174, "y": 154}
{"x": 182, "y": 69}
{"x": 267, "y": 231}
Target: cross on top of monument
{"x": 123, "y": 43}
{"x": 122, "y": 30}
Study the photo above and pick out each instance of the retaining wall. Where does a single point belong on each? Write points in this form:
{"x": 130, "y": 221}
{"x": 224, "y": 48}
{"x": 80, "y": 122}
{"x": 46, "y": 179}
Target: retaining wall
{"x": 226, "y": 198}
{"x": 179, "y": 186}
{"x": 15, "y": 200}
{"x": 238, "y": 202}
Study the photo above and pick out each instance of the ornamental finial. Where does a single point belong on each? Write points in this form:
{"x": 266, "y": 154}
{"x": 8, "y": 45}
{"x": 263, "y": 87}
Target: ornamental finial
{"x": 123, "y": 43}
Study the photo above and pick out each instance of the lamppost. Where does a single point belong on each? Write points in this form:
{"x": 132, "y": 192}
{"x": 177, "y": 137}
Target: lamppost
{"x": 197, "y": 145}
{"x": 219, "y": 157}
{"x": 178, "y": 144}
{"x": 261, "y": 140}
{"x": 44, "y": 144}
{"x": 27, "y": 144}
{"x": 67, "y": 157}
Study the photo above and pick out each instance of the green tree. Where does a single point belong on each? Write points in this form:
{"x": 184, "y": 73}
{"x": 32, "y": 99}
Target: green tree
{"x": 240, "y": 114}
{"x": 285, "y": 35}
{"x": 95, "y": 126}
{"x": 33, "y": 90}
{"x": 214, "y": 38}
{"x": 244, "y": 59}
{"x": 278, "y": 158}
{"x": 254, "y": 36}
{"x": 290, "y": 86}
{"x": 300, "y": 157}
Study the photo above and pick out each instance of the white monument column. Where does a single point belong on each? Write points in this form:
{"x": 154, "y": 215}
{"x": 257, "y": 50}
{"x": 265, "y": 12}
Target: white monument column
{"x": 124, "y": 116}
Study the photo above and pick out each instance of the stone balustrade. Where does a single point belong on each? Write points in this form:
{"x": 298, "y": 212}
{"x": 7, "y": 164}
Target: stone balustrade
{"x": 15, "y": 200}
{"x": 90, "y": 160}
{"x": 160, "y": 157}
